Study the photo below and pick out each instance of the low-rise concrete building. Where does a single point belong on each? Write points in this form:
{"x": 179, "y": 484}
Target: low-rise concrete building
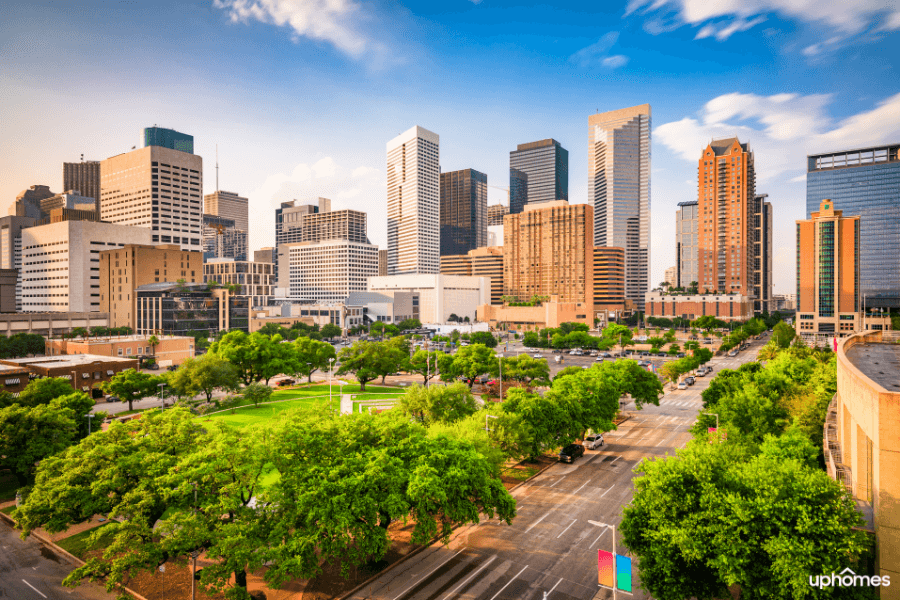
{"x": 726, "y": 307}
{"x": 50, "y": 324}
{"x": 86, "y": 371}
{"x": 439, "y": 296}
{"x": 255, "y": 280}
{"x": 862, "y": 449}
{"x": 170, "y": 349}
{"x": 549, "y": 313}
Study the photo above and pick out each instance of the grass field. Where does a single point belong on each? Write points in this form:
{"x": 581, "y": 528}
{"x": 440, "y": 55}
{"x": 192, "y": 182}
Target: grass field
{"x": 289, "y": 399}
{"x": 77, "y": 544}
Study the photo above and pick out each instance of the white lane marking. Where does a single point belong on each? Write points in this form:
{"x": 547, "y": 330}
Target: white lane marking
{"x": 34, "y": 588}
{"x": 538, "y": 521}
{"x": 566, "y": 529}
{"x": 660, "y": 442}
{"x": 470, "y": 577}
{"x": 507, "y": 583}
{"x": 557, "y": 481}
{"x": 553, "y": 588}
{"x": 598, "y": 538}
{"x": 617, "y": 458}
{"x": 607, "y": 491}
{"x": 415, "y": 583}
{"x": 582, "y": 485}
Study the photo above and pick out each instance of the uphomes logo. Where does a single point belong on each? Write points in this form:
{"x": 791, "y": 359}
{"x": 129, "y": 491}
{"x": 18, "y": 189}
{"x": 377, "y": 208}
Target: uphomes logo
{"x": 847, "y": 578}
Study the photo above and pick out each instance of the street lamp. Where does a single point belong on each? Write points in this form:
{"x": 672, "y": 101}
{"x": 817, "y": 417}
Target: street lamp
{"x": 309, "y": 370}
{"x": 613, "y": 527}
{"x": 500, "y": 360}
{"x": 162, "y": 387}
{"x": 330, "y": 369}
{"x": 89, "y": 416}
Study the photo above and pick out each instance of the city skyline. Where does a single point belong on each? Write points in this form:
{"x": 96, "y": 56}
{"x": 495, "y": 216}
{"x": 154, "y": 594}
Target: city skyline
{"x": 781, "y": 93}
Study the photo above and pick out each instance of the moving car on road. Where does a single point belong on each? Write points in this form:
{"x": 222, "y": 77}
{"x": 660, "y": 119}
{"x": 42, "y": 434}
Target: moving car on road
{"x": 571, "y": 452}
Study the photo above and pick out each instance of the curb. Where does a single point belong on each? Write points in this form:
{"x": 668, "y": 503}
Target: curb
{"x": 456, "y": 531}
{"x": 58, "y": 550}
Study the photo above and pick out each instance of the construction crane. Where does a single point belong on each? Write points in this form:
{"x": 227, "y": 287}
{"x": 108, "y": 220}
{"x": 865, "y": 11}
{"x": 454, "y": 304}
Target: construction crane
{"x": 497, "y": 187}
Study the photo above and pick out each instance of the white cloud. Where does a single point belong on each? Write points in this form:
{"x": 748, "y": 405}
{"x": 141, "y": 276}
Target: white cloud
{"x": 598, "y": 53}
{"x": 359, "y": 188}
{"x": 724, "y": 18}
{"x": 781, "y": 129}
{"x": 340, "y": 23}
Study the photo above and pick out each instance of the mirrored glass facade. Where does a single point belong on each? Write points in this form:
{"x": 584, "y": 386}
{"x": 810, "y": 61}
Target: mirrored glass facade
{"x": 865, "y": 182}
{"x": 463, "y": 211}
{"x": 542, "y": 168}
{"x": 168, "y": 138}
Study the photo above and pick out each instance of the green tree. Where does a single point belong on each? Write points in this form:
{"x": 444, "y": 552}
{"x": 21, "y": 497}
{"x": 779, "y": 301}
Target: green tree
{"x": 44, "y": 391}
{"x": 131, "y": 385}
{"x": 525, "y": 369}
{"x": 203, "y": 374}
{"x": 256, "y": 356}
{"x": 783, "y": 334}
{"x": 311, "y": 356}
{"x": 391, "y": 356}
{"x": 30, "y": 434}
{"x": 468, "y": 362}
{"x": 573, "y": 370}
{"x": 153, "y": 342}
{"x": 438, "y": 404}
{"x": 360, "y": 359}
{"x": 377, "y": 328}
{"x": 330, "y": 331}
{"x": 409, "y": 324}
{"x": 619, "y": 334}
{"x": 257, "y": 393}
{"x": 485, "y": 338}
{"x": 424, "y": 363}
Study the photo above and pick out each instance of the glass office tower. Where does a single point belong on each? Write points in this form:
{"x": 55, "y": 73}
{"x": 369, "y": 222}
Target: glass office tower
{"x": 545, "y": 166}
{"x": 168, "y": 138}
{"x": 463, "y": 211}
{"x": 865, "y": 182}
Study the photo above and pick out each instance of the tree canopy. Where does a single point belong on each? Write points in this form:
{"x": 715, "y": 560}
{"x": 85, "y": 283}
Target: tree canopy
{"x": 203, "y": 374}
{"x": 438, "y": 404}
{"x": 130, "y": 385}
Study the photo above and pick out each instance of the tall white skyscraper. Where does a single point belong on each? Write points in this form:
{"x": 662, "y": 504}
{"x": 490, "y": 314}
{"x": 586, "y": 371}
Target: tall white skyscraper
{"x": 413, "y": 202}
{"x": 619, "y": 189}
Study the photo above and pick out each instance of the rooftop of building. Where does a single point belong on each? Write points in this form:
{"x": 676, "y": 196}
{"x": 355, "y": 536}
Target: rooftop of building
{"x": 66, "y": 360}
{"x": 165, "y": 286}
{"x": 878, "y": 361}
{"x": 724, "y": 145}
{"x": 689, "y": 203}
{"x": 124, "y": 338}
{"x": 10, "y": 370}
{"x": 851, "y": 150}
{"x": 363, "y": 298}
{"x": 538, "y": 144}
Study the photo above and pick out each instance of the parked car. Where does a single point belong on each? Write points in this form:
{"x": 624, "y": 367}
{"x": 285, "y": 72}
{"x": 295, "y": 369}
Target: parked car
{"x": 594, "y": 353}
{"x": 593, "y": 441}
{"x": 536, "y": 355}
{"x": 733, "y": 353}
{"x": 690, "y": 380}
{"x": 571, "y": 353}
{"x": 172, "y": 367}
{"x": 644, "y": 354}
{"x": 707, "y": 341}
{"x": 286, "y": 381}
{"x": 112, "y": 399}
{"x": 599, "y": 359}
{"x": 484, "y": 379}
{"x": 682, "y": 385}
{"x": 701, "y": 372}
{"x": 606, "y": 355}
{"x": 557, "y": 358}
{"x": 680, "y": 355}
{"x": 571, "y": 452}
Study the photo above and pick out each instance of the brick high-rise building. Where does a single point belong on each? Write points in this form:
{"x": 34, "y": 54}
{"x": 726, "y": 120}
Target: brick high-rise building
{"x": 123, "y": 270}
{"x": 619, "y": 190}
{"x": 548, "y": 250}
{"x": 609, "y": 278}
{"x": 828, "y": 265}
{"x": 463, "y": 211}
{"x": 83, "y": 177}
{"x": 486, "y": 261}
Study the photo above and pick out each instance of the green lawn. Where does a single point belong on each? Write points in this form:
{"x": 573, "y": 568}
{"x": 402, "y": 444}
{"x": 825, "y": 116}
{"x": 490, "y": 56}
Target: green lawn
{"x": 77, "y": 544}
{"x": 8, "y": 510}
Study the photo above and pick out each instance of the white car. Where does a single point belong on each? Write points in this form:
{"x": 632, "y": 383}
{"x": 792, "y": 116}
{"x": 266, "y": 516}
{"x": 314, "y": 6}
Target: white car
{"x": 537, "y": 356}
{"x": 598, "y": 359}
{"x": 682, "y": 385}
{"x": 593, "y": 441}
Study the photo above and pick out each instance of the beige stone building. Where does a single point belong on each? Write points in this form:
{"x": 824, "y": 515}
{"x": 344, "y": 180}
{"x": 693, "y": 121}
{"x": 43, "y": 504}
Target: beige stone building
{"x": 61, "y": 263}
{"x": 171, "y": 350}
{"x": 726, "y": 307}
{"x": 230, "y": 206}
{"x": 862, "y": 449}
{"x": 335, "y": 225}
{"x": 437, "y": 296}
{"x": 609, "y": 280}
{"x": 158, "y": 189}
{"x": 123, "y": 270}
{"x": 549, "y": 313}
{"x": 255, "y": 280}
{"x": 382, "y": 261}
{"x": 486, "y": 261}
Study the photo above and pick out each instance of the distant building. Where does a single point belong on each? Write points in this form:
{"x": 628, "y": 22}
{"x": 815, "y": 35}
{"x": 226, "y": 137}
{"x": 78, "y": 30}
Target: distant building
{"x": 335, "y": 225}
{"x": 168, "y": 138}
{"x": 158, "y": 189}
{"x": 221, "y": 239}
{"x": 609, "y": 279}
{"x": 9, "y": 279}
{"x": 439, "y": 296}
{"x": 413, "y": 202}
{"x": 343, "y": 314}
{"x": 182, "y": 309}
{"x": 495, "y": 214}
{"x": 326, "y": 271}
{"x": 171, "y": 350}
{"x": 864, "y": 182}
{"x": 11, "y": 248}
{"x": 84, "y": 178}
{"x": 61, "y": 263}
{"x": 463, "y": 211}
{"x": 548, "y": 313}
{"x": 228, "y": 205}
{"x": 68, "y": 200}
{"x": 289, "y": 224}
{"x": 28, "y": 202}
{"x": 542, "y": 168}
{"x": 828, "y": 263}
{"x": 495, "y": 235}
{"x": 264, "y": 255}
{"x": 619, "y": 190}
{"x": 480, "y": 262}
{"x": 671, "y": 276}
{"x": 725, "y": 307}
{"x": 122, "y": 270}
{"x": 687, "y": 227}
{"x": 254, "y": 280}
{"x": 382, "y": 261}
{"x": 86, "y": 372}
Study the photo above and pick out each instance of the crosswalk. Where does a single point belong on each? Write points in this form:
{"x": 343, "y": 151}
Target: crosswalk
{"x": 681, "y": 403}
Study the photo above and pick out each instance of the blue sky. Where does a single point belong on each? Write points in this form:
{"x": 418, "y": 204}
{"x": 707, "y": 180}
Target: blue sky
{"x": 302, "y": 95}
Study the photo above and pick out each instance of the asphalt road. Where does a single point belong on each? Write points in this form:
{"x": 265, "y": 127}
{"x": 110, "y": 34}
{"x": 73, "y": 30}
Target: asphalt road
{"x": 29, "y": 571}
{"x": 551, "y": 546}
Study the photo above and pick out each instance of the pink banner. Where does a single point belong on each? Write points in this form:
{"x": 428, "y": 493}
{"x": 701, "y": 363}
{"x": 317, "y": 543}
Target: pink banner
{"x": 605, "y": 568}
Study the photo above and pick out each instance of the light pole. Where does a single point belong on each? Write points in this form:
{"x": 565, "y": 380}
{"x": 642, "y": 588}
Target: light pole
{"x": 309, "y": 371}
{"x": 500, "y": 360}
{"x": 330, "y": 369}
{"x": 613, "y": 527}
{"x": 162, "y": 387}
{"x": 194, "y": 555}
{"x": 89, "y": 417}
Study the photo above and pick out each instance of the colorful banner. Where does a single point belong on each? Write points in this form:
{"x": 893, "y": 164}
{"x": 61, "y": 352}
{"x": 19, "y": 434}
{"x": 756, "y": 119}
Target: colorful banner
{"x": 605, "y": 571}
{"x": 623, "y": 572}
{"x": 711, "y": 429}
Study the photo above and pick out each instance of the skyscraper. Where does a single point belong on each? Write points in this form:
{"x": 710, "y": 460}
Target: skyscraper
{"x": 157, "y": 188}
{"x": 230, "y": 206}
{"x": 413, "y": 202}
{"x": 168, "y": 138}
{"x": 764, "y": 300}
{"x": 463, "y": 211}
{"x": 619, "y": 190}
{"x": 865, "y": 182}
{"x": 83, "y": 177}
{"x": 686, "y": 229}
{"x": 541, "y": 169}
{"x": 289, "y": 225}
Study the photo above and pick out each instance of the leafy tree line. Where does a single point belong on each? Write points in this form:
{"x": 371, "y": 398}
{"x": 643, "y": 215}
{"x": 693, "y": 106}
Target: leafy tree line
{"x": 21, "y": 344}
{"x": 750, "y": 504}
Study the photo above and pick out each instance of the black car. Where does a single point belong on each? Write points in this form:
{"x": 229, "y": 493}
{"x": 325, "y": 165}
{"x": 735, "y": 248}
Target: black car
{"x": 680, "y": 355}
{"x": 571, "y": 452}
{"x": 112, "y": 398}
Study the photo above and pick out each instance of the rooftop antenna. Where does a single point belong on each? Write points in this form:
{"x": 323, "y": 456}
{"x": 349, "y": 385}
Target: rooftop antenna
{"x": 217, "y": 167}
{"x": 82, "y": 157}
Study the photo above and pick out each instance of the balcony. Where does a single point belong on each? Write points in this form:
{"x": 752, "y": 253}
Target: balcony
{"x": 837, "y": 470}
